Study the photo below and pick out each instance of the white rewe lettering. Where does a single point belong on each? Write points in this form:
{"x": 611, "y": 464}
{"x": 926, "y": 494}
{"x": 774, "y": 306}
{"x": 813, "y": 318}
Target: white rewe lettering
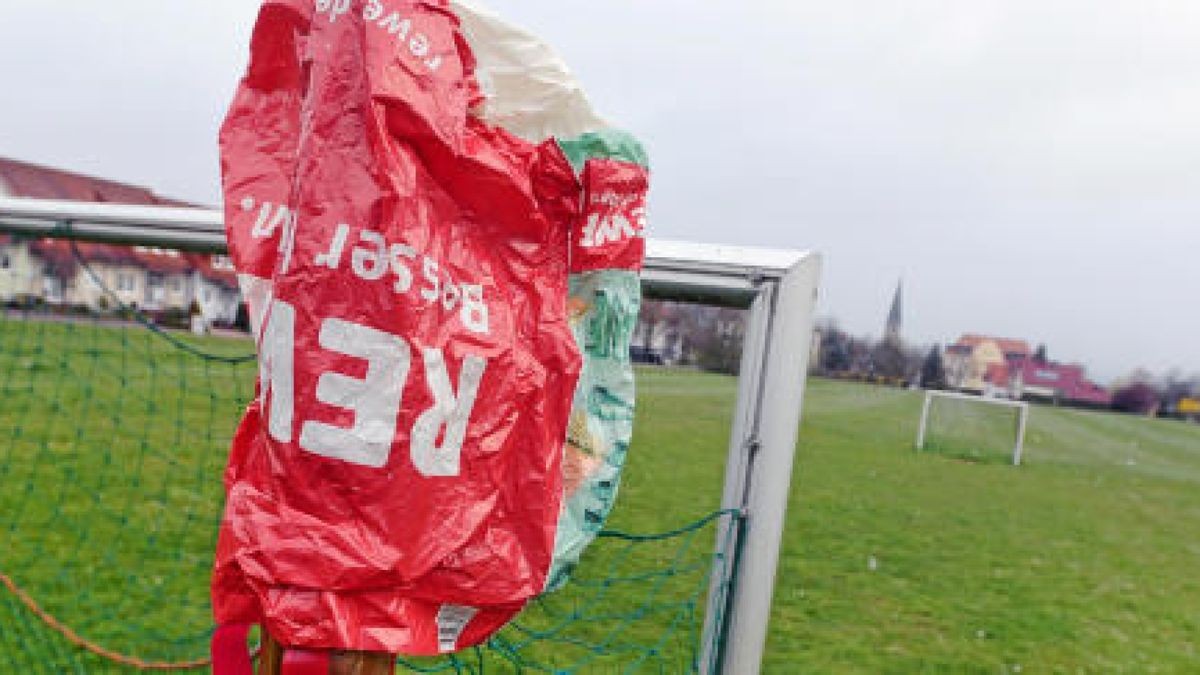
{"x": 375, "y": 399}
{"x": 601, "y": 229}
{"x": 589, "y": 231}
{"x": 449, "y": 411}
{"x": 620, "y": 228}
{"x": 276, "y": 370}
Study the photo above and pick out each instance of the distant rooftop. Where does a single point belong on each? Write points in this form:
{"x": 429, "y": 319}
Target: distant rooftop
{"x": 32, "y": 181}
{"x": 1007, "y": 345}
{"x": 24, "y": 179}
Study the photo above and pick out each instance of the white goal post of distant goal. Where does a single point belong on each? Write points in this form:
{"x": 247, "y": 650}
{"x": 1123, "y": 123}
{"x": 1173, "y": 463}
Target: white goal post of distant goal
{"x": 1021, "y": 407}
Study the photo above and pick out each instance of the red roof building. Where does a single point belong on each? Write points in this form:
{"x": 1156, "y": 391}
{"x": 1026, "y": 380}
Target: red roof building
{"x": 149, "y": 278}
{"x": 1008, "y": 367}
{"x": 1029, "y": 378}
{"x": 969, "y": 361}
{"x": 23, "y": 179}
{"x": 1011, "y": 348}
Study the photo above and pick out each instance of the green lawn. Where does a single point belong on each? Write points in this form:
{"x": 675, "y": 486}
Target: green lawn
{"x": 1083, "y": 560}
{"x": 112, "y": 443}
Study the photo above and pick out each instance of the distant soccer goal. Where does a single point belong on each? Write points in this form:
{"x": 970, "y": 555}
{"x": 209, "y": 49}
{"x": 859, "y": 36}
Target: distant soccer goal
{"x": 976, "y": 428}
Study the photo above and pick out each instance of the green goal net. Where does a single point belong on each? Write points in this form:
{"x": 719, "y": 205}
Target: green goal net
{"x": 972, "y": 429}
{"x": 113, "y": 438}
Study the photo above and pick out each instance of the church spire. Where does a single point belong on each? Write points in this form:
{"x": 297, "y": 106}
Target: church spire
{"x": 895, "y": 320}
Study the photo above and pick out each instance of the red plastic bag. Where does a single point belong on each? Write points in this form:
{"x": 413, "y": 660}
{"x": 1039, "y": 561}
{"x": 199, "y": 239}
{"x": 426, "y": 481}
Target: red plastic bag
{"x": 396, "y": 484}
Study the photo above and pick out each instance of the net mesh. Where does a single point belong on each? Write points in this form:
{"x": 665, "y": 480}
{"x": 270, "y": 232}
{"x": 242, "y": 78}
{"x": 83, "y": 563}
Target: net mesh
{"x": 113, "y": 437}
{"x": 972, "y": 430}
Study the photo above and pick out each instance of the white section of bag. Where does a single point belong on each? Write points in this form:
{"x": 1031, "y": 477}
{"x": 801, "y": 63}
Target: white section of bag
{"x": 452, "y": 620}
{"x": 257, "y": 293}
{"x": 530, "y": 91}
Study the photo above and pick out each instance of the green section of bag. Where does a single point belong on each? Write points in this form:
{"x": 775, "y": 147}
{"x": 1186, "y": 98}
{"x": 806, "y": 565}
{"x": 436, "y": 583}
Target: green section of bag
{"x": 605, "y": 144}
{"x": 603, "y": 309}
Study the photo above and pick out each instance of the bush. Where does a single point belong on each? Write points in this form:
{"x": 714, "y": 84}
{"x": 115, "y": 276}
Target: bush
{"x": 1138, "y": 398}
{"x": 174, "y": 318}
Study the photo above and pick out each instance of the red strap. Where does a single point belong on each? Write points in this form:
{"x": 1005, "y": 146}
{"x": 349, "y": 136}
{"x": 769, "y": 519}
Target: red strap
{"x": 230, "y": 655}
{"x": 304, "y": 662}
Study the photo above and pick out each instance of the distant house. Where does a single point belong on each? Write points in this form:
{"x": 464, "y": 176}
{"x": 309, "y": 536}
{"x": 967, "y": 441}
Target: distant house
{"x": 215, "y": 287}
{"x": 1031, "y": 379}
{"x": 1008, "y": 368}
{"x": 18, "y": 278}
{"x": 968, "y": 361}
{"x": 168, "y": 278}
{"x": 659, "y": 340}
{"x": 150, "y": 279}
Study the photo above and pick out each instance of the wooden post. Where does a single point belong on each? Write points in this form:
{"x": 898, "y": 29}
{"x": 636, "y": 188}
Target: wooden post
{"x": 270, "y": 656}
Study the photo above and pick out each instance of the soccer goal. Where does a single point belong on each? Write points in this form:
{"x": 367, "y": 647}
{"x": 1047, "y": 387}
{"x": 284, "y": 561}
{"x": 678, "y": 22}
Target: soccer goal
{"x": 973, "y": 427}
{"x": 114, "y": 431}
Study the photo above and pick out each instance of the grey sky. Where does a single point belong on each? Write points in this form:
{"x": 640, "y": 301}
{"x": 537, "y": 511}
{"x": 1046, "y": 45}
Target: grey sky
{"x": 1030, "y": 167}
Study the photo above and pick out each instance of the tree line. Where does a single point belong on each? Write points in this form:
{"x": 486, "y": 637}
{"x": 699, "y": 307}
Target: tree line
{"x": 710, "y": 338}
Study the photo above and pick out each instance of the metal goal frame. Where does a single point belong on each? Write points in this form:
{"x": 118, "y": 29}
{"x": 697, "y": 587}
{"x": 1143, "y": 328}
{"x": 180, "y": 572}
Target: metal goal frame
{"x": 779, "y": 290}
{"x": 1021, "y": 407}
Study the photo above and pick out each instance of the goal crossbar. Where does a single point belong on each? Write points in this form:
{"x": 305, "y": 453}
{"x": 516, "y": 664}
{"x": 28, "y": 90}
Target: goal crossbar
{"x": 777, "y": 287}
{"x": 1021, "y": 407}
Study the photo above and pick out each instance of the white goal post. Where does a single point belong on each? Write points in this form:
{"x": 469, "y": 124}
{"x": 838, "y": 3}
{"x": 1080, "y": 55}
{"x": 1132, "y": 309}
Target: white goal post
{"x": 1021, "y": 407}
{"x": 779, "y": 290}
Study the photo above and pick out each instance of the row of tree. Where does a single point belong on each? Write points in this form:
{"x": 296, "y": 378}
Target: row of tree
{"x": 844, "y": 354}
{"x": 680, "y": 333}
{"x": 711, "y": 338}
{"x": 1145, "y": 393}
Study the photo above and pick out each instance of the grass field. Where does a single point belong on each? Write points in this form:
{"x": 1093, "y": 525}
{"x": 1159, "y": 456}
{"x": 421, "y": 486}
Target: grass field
{"x": 1084, "y": 560}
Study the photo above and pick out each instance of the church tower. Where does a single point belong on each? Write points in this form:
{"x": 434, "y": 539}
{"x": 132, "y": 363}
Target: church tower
{"x": 895, "y": 319}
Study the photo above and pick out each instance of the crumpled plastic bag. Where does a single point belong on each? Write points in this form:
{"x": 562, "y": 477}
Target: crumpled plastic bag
{"x": 404, "y": 223}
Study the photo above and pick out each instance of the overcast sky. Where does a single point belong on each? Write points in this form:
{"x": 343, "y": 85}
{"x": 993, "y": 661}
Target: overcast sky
{"x": 1031, "y": 168}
